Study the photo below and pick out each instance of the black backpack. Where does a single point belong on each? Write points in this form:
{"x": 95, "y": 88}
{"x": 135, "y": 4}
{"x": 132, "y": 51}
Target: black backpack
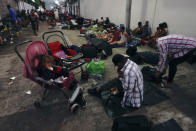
{"x": 131, "y": 123}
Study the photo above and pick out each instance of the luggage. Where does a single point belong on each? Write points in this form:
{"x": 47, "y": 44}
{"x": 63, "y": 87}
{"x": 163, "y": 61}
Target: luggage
{"x": 131, "y": 123}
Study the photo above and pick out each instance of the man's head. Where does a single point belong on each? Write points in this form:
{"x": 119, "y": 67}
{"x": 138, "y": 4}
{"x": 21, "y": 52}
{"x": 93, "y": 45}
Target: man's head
{"x": 122, "y": 28}
{"x": 147, "y": 23}
{"x": 139, "y": 24}
{"x": 8, "y": 6}
{"x": 119, "y": 60}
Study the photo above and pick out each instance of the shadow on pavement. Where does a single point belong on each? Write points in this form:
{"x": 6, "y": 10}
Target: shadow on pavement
{"x": 49, "y": 118}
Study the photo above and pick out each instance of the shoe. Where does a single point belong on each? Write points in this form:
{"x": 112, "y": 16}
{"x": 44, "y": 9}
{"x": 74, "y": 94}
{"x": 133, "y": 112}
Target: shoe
{"x": 94, "y": 92}
{"x": 74, "y": 107}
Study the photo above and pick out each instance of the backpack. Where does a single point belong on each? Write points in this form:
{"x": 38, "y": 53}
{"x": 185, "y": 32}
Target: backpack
{"x": 131, "y": 123}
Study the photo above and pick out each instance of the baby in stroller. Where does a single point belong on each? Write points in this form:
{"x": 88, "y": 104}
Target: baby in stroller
{"x": 47, "y": 70}
{"x": 60, "y": 77}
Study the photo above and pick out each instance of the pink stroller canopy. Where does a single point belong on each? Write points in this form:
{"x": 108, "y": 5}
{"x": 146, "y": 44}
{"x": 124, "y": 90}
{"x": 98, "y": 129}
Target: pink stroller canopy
{"x": 33, "y": 49}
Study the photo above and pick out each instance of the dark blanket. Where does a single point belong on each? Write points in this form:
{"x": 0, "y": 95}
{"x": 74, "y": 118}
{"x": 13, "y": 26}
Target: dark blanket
{"x": 102, "y": 45}
{"x": 49, "y": 118}
{"x": 145, "y": 57}
{"x": 152, "y": 96}
{"x": 170, "y": 125}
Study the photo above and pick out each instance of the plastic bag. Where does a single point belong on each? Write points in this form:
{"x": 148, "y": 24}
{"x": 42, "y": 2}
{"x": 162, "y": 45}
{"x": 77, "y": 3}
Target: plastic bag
{"x": 95, "y": 67}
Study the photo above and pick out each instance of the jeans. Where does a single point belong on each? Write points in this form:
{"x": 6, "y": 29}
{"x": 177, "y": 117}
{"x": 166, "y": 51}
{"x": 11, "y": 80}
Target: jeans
{"x": 174, "y": 62}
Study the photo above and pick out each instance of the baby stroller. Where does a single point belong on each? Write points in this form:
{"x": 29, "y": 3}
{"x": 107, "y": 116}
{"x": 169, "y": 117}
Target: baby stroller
{"x": 38, "y": 48}
{"x": 58, "y": 47}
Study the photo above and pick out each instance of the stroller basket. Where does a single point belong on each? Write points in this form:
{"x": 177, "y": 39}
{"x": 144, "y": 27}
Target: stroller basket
{"x": 62, "y": 51}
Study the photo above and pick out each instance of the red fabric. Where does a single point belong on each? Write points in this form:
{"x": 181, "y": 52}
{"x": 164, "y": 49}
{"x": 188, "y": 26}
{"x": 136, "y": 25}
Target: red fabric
{"x": 72, "y": 52}
{"x": 82, "y": 31}
{"x": 67, "y": 82}
{"x": 55, "y": 47}
{"x": 59, "y": 69}
{"x": 116, "y": 36}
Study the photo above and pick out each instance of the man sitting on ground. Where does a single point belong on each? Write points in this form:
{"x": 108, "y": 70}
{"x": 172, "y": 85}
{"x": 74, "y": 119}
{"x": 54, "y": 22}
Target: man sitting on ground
{"x": 146, "y": 30}
{"x": 174, "y": 50}
{"x": 138, "y": 31}
{"x": 131, "y": 81}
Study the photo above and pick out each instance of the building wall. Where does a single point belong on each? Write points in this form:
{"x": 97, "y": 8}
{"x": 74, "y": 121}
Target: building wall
{"x": 179, "y": 14}
{"x": 95, "y": 9}
{"x": 3, "y": 6}
{"x": 25, "y": 6}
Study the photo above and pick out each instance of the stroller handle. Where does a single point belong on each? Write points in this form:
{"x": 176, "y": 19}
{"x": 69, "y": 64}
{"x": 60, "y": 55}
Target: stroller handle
{"x": 16, "y": 49}
{"x": 50, "y": 32}
{"x": 54, "y": 33}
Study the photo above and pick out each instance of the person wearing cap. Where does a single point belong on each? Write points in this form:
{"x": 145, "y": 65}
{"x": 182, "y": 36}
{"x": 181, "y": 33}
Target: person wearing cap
{"x": 131, "y": 80}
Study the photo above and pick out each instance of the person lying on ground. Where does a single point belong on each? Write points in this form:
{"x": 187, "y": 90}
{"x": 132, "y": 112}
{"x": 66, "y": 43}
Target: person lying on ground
{"x": 124, "y": 37}
{"x": 131, "y": 81}
{"x": 174, "y": 50}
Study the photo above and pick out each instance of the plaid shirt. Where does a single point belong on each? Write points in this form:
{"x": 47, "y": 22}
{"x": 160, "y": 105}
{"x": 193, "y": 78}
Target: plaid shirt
{"x": 132, "y": 83}
{"x": 173, "y": 46}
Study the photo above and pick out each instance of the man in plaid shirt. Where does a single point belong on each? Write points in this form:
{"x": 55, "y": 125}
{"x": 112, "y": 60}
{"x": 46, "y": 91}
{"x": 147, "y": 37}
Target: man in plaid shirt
{"x": 129, "y": 83}
{"x": 174, "y": 49}
{"x": 132, "y": 81}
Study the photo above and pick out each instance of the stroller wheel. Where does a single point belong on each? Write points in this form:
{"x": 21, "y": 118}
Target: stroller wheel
{"x": 37, "y": 104}
{"x": 74, "y": 107}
